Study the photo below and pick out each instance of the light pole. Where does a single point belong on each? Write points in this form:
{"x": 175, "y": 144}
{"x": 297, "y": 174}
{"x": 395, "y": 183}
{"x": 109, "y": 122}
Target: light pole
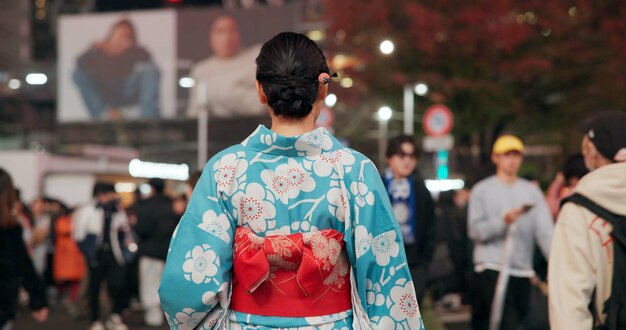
{"x": 384, "y": 114}
{"x": 420, "y": 89}
{"x": 203, "y": 125}
{"x": 409, "y": 108}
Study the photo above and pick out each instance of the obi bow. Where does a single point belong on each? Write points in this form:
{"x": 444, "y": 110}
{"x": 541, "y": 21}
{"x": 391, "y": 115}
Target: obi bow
{"x": 316, "y": 259}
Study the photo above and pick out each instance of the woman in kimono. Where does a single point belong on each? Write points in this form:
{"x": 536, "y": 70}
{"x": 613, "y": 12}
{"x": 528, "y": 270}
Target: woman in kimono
{"x": 289, "y": 229}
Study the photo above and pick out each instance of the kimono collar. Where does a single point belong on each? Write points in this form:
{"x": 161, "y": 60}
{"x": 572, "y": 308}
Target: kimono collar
{"x": 311, "y": 143}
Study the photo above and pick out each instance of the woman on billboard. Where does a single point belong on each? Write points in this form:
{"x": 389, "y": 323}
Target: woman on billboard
{"x": 117, "y": 72}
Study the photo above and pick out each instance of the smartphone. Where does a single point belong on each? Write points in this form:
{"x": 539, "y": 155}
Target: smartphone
{"x": 526, "y": 207}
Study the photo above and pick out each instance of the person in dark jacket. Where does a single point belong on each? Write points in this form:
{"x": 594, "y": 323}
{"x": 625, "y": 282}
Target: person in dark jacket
{"x": 16, "y": 267}
{"x": 115, "y": 72}
{"x": 413, "y": 207}
{"x": 156, "y": 221}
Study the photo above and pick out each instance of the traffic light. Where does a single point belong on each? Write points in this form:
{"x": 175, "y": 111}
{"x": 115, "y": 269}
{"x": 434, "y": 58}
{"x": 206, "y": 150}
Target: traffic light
{"x": 442, "y": 164}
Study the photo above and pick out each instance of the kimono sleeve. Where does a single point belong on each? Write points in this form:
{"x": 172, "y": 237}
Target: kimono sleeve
{"x": 376, "y": 251}
{"x": 195, "y": 285}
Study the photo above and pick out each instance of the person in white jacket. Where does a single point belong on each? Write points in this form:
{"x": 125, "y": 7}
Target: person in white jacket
{"x": 581, "y": 266}
{"x": 102, "y": 233}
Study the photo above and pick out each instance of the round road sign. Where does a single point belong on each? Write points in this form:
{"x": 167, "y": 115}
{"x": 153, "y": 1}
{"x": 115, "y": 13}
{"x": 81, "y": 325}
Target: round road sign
{"x": 438, "y": 120}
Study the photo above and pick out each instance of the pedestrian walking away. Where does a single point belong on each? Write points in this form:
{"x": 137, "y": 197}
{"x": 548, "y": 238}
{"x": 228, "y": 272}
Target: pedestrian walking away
{"x": 289, "y": 229}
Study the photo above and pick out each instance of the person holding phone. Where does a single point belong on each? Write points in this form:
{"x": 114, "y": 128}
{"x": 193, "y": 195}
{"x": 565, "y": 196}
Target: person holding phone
{"x": 507, "y": 216}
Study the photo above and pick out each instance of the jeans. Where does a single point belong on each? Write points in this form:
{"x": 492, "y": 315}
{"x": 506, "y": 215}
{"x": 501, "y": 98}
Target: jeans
{"x": 141, "y": 86}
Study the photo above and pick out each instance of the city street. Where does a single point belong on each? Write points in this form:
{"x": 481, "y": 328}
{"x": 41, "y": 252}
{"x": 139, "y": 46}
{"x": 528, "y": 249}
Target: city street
{"x": 59, "y": 319}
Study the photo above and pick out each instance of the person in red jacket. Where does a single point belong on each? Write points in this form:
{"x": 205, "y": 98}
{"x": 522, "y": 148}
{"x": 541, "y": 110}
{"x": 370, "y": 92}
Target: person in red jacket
{"x": 69, "y": 264}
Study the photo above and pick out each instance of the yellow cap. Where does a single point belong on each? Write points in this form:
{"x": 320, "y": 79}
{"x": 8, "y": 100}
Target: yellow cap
{"x": 506, "y": 143}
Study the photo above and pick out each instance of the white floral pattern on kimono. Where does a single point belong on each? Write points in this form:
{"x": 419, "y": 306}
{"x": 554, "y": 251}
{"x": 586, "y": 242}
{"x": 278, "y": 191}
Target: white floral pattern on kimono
{"x": 278, "y": 185}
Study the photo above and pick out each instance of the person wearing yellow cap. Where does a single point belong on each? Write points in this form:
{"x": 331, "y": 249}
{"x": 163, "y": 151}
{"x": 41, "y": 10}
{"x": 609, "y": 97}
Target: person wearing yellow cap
{"x": 507, "y": 216}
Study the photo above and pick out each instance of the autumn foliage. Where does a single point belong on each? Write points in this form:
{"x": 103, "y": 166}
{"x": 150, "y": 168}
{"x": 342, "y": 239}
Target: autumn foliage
{"x": 520, "y": 65}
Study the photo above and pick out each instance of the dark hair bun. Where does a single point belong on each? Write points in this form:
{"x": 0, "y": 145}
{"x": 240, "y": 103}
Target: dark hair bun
{"x": 292, "y": 99}
{"x": 288, "y": 67}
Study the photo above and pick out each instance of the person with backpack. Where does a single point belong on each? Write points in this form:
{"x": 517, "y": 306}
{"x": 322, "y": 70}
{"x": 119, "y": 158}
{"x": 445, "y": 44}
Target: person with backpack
{"x": 588, "y": 246}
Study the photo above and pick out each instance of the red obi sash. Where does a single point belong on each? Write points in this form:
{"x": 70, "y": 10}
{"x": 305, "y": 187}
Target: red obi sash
{"x": 297, "y": 275}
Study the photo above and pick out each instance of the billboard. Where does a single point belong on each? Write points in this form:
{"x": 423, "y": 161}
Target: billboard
{"x": 117, "y": 66}
{"x": 165, "y": 64}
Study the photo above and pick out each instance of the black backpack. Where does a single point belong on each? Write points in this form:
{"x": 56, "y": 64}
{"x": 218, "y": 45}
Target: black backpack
{"x": 615, "y": 306}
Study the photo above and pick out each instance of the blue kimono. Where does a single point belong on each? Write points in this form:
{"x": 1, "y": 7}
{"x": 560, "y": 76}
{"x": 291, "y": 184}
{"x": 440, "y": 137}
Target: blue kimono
{"x": 278, "y": 185}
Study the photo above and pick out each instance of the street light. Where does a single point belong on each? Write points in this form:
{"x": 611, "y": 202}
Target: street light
{"x": 421, "y": 89}
{"x": 14, "y": 84}
{"x": 36, "y": 78}
{"x": 330, "y": 100}
{"x": 384, "y": 114}
{"x": 386, "y": 47}
{"x": 186, "y": 82}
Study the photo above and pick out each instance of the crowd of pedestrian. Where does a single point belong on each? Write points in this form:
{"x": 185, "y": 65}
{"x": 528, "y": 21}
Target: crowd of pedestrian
{"x": 68, "y": 254}
{"x": 497, "y": 247}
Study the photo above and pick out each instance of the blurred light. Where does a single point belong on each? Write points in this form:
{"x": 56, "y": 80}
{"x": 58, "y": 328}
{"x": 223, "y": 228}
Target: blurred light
{"x": 36, "y": 78}
{"x": 125, "y": 187}
{"x": 384, "y": 113}
{"x": 573, "y": 11}
{"x": 546, "y": 32}
{"x": 132, "y": 247}
{"x": 140, "y": 169}
{"x": 145, "y": 189}
{"x": 520, "y": 19}
{"x": 186, "y": 82}
{"x": 331, "y": 100}
{"x": 444, "y": 185}
{"x": 346, "y": 82}
{"x": 15, "y": 84}
{"x": 316, "y": 35}
{"x": 40, "y": 3}
{"x": 530, "y": 17}
{"x": 339, "y": 61}
{"x": 386, "y": 47}
{"x": 421, "y": 89}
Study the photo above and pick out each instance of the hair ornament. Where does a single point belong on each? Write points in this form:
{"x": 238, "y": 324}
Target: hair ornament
{"x": 325, "y": 78}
